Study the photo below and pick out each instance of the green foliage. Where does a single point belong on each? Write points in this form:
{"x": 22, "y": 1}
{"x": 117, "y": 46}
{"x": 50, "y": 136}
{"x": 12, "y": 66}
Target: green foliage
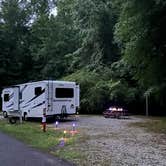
{"x": 87, "y": 81}
{"x": 97, "y": 90}
{"x": 156, "y": 125}
{"x": 56, "y": 38}
{"x": 141, "y": 36}
{"x": 121, "y": 92}
{"x": 95, "y": 25}
{"x": 115, "y": 49}
{"x": 14, "y": 41}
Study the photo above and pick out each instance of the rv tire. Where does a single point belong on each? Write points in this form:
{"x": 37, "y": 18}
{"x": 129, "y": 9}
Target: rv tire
{"x": 5, "y": 115}
{"x": 12, "y": 120}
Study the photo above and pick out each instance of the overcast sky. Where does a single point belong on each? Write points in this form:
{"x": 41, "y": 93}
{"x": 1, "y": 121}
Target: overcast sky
{"x": 54, "y": 11}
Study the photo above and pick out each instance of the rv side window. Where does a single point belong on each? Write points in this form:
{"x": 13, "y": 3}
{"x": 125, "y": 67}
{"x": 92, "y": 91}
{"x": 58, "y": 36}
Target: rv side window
{"x": 64, "y": 93}
{"x": 6, "y": 97}
{"x": 38, "y": 91}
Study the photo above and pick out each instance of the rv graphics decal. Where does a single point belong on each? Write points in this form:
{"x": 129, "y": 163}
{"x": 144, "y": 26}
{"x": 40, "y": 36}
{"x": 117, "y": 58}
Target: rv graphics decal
{"x": 11, "y": 96}
{"x": 36, "y": 96}
{"x": 21, "y": 101}
{"x": 26, "y": 106}
{"x": 10, "y": 105}
{"x": 23, "y": 88}
{"x": 38, "y": 105}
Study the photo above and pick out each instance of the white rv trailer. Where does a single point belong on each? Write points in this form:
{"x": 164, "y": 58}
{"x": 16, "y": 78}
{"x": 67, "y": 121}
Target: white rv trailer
{"x": 56, "y": 98}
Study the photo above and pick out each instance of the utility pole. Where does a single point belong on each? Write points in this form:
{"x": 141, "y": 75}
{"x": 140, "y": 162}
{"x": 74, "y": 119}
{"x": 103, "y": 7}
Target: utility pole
{"x": 147, "y": 105}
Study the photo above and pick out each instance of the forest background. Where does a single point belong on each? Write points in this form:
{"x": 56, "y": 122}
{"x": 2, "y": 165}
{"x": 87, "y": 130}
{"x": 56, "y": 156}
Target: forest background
{"x": 115, "y": 49}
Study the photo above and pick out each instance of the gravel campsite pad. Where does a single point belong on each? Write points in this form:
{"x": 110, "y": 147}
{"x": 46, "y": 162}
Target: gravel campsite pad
{"x": 115, "y": 142}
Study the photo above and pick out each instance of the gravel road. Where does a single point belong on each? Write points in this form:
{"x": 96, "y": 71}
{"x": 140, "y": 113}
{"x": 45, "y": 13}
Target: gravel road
{"x": 113, "y": 142}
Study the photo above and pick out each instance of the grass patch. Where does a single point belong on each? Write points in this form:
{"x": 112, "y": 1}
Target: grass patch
{"x": 32, "y": 134}
{"x": 68, "y": 154}
{"x": 74, "y": 153}
{"x": 154, "y": 124}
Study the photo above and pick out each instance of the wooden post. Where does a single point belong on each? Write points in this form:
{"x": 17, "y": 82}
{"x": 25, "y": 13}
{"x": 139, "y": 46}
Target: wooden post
{"x": 20, "y": 116}
{"x": 147, "y": 104}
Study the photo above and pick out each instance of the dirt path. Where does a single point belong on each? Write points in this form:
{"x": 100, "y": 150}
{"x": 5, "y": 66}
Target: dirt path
{"x": 113, "y": 142}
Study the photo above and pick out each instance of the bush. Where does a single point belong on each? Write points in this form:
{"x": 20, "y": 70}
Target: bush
{"x": 97, "y": 92}
{"x": 93, "y": 91}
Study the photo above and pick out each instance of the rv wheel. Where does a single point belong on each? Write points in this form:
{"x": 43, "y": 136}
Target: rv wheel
{"x": 5, "y": 115}
{"x": 12, "y": 120}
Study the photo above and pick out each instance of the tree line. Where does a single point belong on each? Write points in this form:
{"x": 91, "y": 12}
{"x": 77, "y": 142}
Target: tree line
{"x": 115, "y": 49}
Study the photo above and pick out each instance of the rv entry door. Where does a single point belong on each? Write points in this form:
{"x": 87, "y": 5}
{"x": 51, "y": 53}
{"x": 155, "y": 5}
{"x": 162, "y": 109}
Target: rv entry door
{"x": 16, "y": 99}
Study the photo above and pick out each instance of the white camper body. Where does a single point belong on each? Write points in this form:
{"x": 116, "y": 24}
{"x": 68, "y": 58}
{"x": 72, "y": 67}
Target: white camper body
{"x": 55, "y": 98}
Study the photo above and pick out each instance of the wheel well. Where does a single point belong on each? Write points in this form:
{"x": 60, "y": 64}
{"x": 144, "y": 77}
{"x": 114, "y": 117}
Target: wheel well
{"x": 5, "y": 114}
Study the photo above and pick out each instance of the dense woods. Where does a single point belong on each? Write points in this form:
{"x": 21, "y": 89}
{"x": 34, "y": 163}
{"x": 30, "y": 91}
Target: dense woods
{"x": 115, "y": 49}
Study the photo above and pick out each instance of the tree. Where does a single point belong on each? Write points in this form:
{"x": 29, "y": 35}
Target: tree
{"x": 55, "y": 36}
{"x": 95, "y": 26}
{"x": 14, "y": 41}
{"x": 140, "y": 34}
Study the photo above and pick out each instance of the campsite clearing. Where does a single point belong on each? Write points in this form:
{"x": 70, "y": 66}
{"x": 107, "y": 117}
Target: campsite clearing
{"x": 100, "y": 141}
{"x": 111, "y": 142}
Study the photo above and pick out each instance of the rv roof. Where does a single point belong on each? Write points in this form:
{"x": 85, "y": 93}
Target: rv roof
{"x": 44, "y": 81}
{"x": 69, "y": 82}
{"x": 53, "y": 81}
